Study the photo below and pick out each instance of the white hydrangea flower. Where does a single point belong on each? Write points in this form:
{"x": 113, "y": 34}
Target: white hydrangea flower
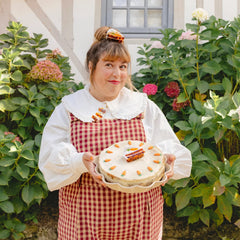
{"x": 200, "y": 14}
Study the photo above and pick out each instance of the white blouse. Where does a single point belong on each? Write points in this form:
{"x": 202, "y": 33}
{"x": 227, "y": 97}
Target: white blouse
{"x": 59, "y": 160}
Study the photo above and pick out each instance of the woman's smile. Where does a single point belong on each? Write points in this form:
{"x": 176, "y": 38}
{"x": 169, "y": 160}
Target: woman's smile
{"x": 109, "y": 77}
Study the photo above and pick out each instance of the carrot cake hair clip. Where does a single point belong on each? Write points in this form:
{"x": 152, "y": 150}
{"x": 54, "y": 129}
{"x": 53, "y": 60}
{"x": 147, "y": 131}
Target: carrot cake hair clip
{"x": 115, "y": 35}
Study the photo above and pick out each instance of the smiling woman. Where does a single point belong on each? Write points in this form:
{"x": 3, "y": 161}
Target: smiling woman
{"x": 86, "y": 123}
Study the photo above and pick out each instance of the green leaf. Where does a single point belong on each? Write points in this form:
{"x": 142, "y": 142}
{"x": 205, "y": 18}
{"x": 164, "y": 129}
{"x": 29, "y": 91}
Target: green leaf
{"x": 3, "y": 180}
{"x": 23, "y": 170}
{"x": 7, "y": 105}
{"x": 16, "y": 116}
{"x": 182, "y": 198}
{"x": 18, "y": 205}
{"x": 236, "y": 99}
{"x": 208, "y": 198}
{"x": 24, "y": 92}
{"x": 227, "y": 85}
{"x": 6, "y": 161}
{"x": 183, "y": 125}
{"x": 204, "y": 216}
{"x": 219, "y": 134}
{"x": 199, "y": 190}
{"x": 236, "y": 167}
{"x": 5, "y": 233}
{"x": 7, "y": 207}
{"x": 5, "y": 89}
{"x": 198, "y": 106}
{"x": 236, "y": 61}
{"x": 193, "y": 218}
{"x": 211, "y": 67}
{"x": 27, "y": 154}
{"x": 28, "y": 194}
{"x": 218, "y": 189}
{"x": 17, "y": 76}
{"x": 203, "y": 86}
{"x": 35, "y": 112}
{"x": 224, "y": 179}
{"x": 233, "y": 196}
{"x": 200, "y": 169}
{"x": 3, "y": 195}
{"x": 224, "y": 207}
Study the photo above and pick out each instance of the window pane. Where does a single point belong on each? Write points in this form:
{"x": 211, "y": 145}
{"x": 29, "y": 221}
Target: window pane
{"x": 154, "y": 18}
{"x": 137, "y": 18}
{"x": 119, "y": 3}
{"x": 138, "y": 3}
{"x": 154, "y": 3}
{"x": 119, "y": 18}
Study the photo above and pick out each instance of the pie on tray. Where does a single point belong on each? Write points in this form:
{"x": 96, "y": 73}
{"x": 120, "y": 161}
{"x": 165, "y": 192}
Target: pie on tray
{"x": 132, "y": 163}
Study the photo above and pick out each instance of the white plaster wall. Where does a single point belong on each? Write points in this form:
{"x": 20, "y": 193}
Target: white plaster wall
{"x": 230, "y": 9}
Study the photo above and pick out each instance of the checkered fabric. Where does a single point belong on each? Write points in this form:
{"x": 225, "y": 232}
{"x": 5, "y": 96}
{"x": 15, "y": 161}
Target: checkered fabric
{"x": 89, "y": 211}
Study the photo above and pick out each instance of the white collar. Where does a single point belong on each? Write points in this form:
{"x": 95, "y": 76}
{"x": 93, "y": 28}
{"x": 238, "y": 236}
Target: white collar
{"x": 127, "y": 105}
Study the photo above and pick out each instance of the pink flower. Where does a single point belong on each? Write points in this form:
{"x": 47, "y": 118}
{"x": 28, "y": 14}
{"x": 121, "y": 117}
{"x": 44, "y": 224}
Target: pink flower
{"x": 16, "y": 139}
{"x": 54, "y": 54}
{"x": 150, "y": 89}
{"x": 188, "y": 35}
{"x": 172, "y": 89}
{"x": 178, "y": 106}
{"x": 45, "y": 71}
{"x": 156, "y": 44}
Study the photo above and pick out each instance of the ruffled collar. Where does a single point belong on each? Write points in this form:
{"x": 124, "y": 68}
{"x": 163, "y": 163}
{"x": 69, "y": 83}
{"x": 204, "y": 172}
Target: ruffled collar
{"x": 127, "y": 105}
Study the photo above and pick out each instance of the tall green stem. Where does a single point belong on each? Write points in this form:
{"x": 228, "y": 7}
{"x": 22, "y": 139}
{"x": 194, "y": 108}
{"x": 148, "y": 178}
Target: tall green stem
{"x": 197, "y": 51}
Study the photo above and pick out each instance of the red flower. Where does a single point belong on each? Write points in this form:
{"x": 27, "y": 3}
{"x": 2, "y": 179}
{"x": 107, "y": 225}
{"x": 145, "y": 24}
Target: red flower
{"x": 178, "y": 106}
{"x": 150, "y": 89}
{"x": 172, "y": 89}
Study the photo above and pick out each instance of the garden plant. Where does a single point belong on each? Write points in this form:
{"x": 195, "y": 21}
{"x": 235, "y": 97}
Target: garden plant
{"x": 33, "y": 79}
{"x": 194, "y": 77}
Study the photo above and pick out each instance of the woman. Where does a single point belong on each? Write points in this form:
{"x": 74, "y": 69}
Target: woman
{"x": 90, "y": 120}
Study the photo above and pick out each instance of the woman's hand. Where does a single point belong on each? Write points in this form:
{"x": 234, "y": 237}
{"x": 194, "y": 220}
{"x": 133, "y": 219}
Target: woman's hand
{"x": 88, "y": 160}
{"x": 170, "y": 160}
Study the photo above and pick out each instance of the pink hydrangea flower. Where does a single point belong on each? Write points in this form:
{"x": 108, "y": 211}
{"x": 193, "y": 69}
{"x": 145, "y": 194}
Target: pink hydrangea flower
{"x": 46, "y": 71}
{"x": 16, "y": 139}
{"x": 54, "y": 54}
{"x": 156, "y": 44}
{"x": 188, "y": 35}
{"x": 150, "y": 89}
{"x": 172, "y": 89}
{"x": 178, "y": 106}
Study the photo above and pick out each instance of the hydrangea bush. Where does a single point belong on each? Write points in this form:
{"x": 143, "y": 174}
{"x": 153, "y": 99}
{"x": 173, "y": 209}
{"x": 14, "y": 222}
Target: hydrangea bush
{"x": 197, "y": 76}
{"x": 33, "y": 79}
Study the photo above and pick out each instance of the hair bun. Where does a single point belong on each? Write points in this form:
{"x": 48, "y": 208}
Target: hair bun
{"x": 101, "y": 33}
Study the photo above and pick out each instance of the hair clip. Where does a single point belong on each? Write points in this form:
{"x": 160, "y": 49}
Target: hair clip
{"x": 115, "y": 35}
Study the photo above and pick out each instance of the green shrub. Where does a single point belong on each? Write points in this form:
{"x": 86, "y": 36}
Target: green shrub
{"x": 198, "y": 79}
{"x": 33, "y": 79}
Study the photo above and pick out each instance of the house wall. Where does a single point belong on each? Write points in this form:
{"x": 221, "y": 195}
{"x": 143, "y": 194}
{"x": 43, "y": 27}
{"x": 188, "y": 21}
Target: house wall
{"x": 70, "y": 24}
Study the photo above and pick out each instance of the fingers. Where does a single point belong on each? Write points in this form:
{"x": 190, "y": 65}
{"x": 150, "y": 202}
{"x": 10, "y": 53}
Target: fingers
{"x": 88, "y": 157}
{"x": 88, "y": 160}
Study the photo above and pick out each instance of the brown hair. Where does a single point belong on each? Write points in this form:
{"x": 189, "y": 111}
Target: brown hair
{"x": 111, "y": 50}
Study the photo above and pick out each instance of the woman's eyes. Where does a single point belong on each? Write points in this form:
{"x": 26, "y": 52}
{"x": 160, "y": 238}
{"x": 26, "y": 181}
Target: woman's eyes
{"x": 110, "y": 65}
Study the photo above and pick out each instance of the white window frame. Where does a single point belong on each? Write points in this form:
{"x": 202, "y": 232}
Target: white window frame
{"x": 167, "y": 19}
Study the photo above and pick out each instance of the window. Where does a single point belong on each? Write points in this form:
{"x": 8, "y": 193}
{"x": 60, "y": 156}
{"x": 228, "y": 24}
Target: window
{"x": 138, "y": 18}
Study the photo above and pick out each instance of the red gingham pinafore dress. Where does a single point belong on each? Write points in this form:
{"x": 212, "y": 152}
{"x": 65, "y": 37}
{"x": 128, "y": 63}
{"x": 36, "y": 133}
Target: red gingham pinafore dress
{"x": 89, "y": 211}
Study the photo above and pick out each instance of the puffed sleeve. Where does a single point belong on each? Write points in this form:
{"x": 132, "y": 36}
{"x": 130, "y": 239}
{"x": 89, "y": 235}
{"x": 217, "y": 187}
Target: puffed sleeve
{"x": 59, "y": 160}
{"x": 159, "y": 133}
